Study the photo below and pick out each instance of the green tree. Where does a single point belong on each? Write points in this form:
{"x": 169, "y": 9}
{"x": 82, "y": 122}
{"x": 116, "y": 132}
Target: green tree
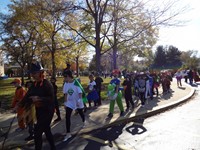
{"x": 160, "y": 58}
{"x": 190, "y": 59}
{"x": 173, "y": 57}
{"x": 49, "y": 16}
{"x": 20, "y": 41}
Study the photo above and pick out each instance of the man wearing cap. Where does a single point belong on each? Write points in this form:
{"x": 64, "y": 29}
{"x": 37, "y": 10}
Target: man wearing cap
{"x": 19, "y": 94}
{"x": 41, "y": 94}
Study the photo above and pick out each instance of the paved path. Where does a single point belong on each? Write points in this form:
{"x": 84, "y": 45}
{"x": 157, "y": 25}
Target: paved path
{"x": 96, "y": 118}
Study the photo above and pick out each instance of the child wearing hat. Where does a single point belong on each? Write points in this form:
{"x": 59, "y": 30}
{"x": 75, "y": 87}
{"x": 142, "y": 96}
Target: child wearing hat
{"x": 19, "y": 94}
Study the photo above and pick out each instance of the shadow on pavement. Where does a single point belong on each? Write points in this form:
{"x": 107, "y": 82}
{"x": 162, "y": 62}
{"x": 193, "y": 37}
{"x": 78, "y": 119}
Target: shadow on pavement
{"x": 137, "y": 127}
{"x": 167, "y": 95}
{"x": 109, "y": 134}
{"x": 182, "y": 88}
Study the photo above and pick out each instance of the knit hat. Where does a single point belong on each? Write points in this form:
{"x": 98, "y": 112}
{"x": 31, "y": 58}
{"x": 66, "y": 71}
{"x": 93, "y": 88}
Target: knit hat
{"x": 116, "y": 71}
{"x": 17, "y": 80}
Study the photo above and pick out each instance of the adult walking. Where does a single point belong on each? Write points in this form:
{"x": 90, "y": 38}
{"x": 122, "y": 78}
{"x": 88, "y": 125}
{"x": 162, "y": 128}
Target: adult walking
{"x": 128, "y": 92}
{"x": 190, "y": 76}
{"x": 99, "y": 82}
{"x": 142, "y": 88}
{"x": 55, "y": 87}
{"x": 149, "y": 86}
{"x": 41, "y": 94}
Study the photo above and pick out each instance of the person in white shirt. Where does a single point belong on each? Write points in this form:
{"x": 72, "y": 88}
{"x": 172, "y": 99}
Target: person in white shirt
{"x": 73, "y": 100}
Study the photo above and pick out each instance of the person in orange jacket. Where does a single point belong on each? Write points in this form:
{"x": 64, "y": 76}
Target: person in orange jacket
{"x": 19, "y": 94}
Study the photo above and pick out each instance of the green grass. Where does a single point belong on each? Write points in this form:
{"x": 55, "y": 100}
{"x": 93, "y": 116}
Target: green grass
{"x": 7, "y": 90}
{"x": 6, "y": 93}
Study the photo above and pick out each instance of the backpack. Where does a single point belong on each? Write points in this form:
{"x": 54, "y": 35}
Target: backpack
{"x": 141, "y": 85}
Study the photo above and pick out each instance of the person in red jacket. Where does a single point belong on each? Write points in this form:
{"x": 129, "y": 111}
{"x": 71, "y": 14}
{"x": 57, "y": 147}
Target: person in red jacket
{"x": 19, "y": 94}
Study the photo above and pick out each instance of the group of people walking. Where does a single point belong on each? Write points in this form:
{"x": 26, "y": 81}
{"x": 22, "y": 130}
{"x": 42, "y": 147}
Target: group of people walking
{"x": 39, "y": 101}
{"x": 35, "y": 106}
{"x": 189, "y": 75}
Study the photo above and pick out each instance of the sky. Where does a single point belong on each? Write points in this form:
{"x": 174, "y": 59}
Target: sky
{"x": 3, "y": 5}
{"x": 184, "y": 38}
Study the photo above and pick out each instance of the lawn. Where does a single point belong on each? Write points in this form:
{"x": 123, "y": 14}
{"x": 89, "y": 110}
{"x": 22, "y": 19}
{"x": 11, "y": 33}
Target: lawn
{"x": 7, "y": 90}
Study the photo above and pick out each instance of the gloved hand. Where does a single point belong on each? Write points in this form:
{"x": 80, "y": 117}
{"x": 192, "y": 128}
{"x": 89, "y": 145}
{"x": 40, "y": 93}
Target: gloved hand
{"x": 114, "y": 96}
{"x": 108, "y": 93}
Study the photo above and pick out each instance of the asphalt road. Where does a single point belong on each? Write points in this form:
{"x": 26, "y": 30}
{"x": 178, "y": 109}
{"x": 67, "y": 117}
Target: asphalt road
{"x": 176, "y": 129}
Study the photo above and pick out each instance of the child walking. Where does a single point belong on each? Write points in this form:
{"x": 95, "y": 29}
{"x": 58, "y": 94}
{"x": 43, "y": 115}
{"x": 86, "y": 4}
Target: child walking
{"x": 19, "y": 94}
{"x": 29, "y": 114}
{"x": 92, "y": 93}
{"x": 73, "y": 100}
{"x": 117, "y": 94}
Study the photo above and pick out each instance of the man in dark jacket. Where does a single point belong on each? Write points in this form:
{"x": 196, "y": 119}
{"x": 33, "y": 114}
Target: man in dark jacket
{"x": 99, "y": 82}
{"x": 41, "y": 94}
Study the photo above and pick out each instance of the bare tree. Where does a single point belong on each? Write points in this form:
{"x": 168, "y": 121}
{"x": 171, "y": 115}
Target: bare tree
{"x": 116, "y": 22}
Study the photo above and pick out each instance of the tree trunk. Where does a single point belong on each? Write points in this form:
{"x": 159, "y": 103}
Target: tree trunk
{"x": 115, "y": 38}
{"x": 53, "y": 50}
{"x": 28, "y": 68}
{"x": 115, "y": 57}
{"x": 77, "y": 66}
{"x": 98, "y": 49}
{"x": 53, "y": 64}
{"x": 22, "y": 75}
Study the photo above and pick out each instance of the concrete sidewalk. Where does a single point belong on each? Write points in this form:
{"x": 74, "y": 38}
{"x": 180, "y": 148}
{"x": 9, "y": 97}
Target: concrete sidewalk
{"x": 97, "y": 118}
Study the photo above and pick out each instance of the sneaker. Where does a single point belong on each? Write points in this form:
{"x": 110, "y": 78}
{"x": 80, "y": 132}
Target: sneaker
{"x": 84, "y": 123}
{"x": 19, "y": 129}
{"x": 110, "y": 115}
{"x": 29, "y": 138}
{"x": 58, "y": 119}
{"x": 68, "y": 135}
{"x": 127, "y": 109}
{"x": 122, "y": 114}
{"x": 85, "y": 109}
